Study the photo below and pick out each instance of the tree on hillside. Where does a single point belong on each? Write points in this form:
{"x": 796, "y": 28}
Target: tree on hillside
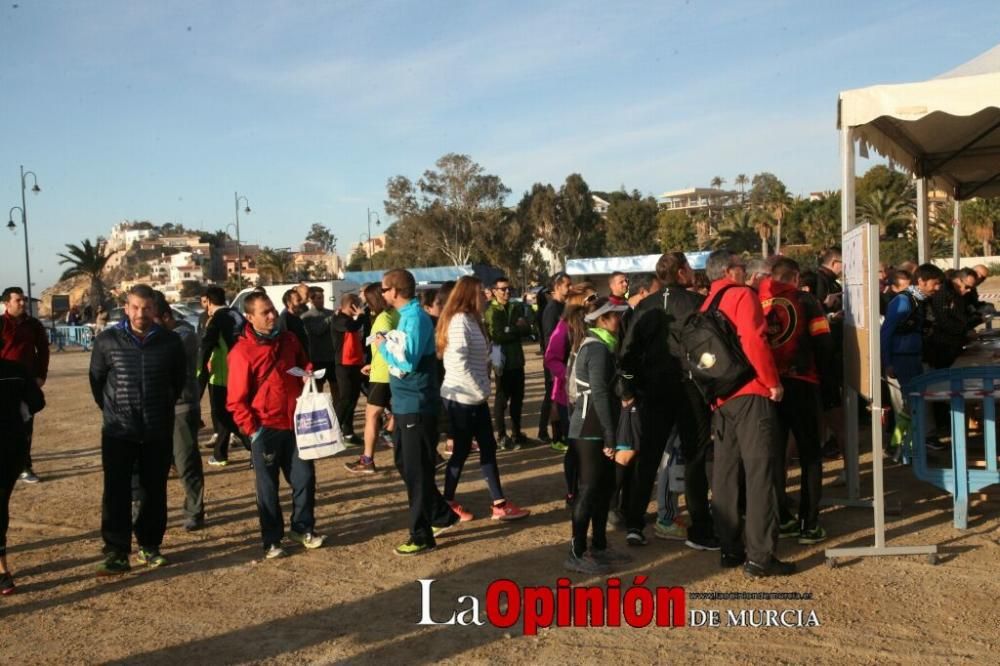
{"x": 676, "y": 231}
{"x": 738, "y": 233}
{"x": 576, "y": 230}
{"x": 456, "y": 201}
{"x": 358, "y": 260}
{"x": 770, "y": 195}
{"x": 507, "y": 243}
{"x": 274, "y": 266}
{"x": 881, "y": 177}
{"x": 323, "y": 237}
{"x": 631, "y": 224}
{"x": 980, "y": 219}
{"x": 889, "y": 209}
{"x": 741, "y": 181}
{"x": 87, "y": 259}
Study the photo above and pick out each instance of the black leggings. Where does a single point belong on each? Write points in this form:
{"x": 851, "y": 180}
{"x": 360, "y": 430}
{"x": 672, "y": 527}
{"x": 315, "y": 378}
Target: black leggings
{"x": 12, "y": 455}
{"x": 348, "y": 390}
{"x": 597, "y": 482}
{"x": 510, "y": 389}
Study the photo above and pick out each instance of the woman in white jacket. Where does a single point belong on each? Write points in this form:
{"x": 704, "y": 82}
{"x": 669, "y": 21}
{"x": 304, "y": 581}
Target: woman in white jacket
{"x": 463, "y": 345}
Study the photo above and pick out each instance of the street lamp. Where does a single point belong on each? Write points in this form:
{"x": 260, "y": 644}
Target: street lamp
{"x": 371, "y": 245}
{"x": 239, "y": 258}
{"x": 23, "y": 208}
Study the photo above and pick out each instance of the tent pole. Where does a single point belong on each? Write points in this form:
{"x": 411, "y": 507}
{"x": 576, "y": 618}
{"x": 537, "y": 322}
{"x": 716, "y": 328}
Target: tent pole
{"x": 956, "y": 236}
{"x": 923, "y": 240}
{"x": 848, "y": 209}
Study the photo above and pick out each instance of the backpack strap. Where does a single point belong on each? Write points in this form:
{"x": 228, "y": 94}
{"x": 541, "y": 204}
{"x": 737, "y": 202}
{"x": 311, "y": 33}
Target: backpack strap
{"x": 714, "y": 305}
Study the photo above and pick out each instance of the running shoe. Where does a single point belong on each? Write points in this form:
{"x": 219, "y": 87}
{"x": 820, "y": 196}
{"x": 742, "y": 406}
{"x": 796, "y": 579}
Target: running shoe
{"x": 194, "y": 524}
{"x": 669, "y": 530}
{"x": 616, "y": 518}
{"x": 732, "y": 560}
{"x": 505, "y": 443}
{"x": 28, "y": 476}
{"x": 932, "y": 444}
{"x": 7, "y": 586}
{"x": 610, "y": 556}
{"x": 809, "y": 537}
{"x": 543, "y": 437}
{"x": 114, "y": 564}
{"x": 410, "y": 548}
{"x": 509, "y": 511}
{"x": 586, "y": 564}
{"x": 151, "y": 557}
{"x": 360, "y": 466}
{"x": 789, "y": 530}
{"x": 520, "y": 439}
{"x": 310, "y": 540}
{"x": 449, "y": 448}
{"x": 773, "y": 568}
{"x": 635, "y": 538}
{"x": 474, "y": 448}
{"x": 387, "y": 439}
{"x": 274, "y": 551}
{"x": 709, "y": 543}
{"x": 438, "y": 531}
{"x": 559, "y": 446}
{"x": 463, "y": 515}
{"x": 352, "y": 440}
{"x": 217, "y": 463}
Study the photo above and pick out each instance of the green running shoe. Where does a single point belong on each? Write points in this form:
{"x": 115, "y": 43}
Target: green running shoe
{"x": 789, "y": 530}
{"x": 559, "y": 447}
{"x": 809, "y": 537}
{"x": 410, "y": 548}
{"x": 114, "y": 564}
{"x": 151, "y": 557}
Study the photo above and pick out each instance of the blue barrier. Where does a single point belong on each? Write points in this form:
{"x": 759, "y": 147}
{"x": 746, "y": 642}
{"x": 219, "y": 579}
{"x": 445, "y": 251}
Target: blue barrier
{"x": 71, "y": 336}
{"x": 958, "y": 386}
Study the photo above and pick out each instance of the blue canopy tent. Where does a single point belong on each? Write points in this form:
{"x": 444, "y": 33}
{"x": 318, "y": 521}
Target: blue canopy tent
{"x": 421, "y": 275}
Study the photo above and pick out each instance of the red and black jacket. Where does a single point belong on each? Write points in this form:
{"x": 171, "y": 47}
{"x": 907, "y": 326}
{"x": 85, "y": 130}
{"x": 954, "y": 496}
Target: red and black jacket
{"x": 797, "y": 331}
{"x": 261, "y": 393}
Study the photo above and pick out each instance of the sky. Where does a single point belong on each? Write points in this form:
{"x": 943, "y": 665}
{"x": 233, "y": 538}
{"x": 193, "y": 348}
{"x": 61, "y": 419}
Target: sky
{"x": 160, "y": 111}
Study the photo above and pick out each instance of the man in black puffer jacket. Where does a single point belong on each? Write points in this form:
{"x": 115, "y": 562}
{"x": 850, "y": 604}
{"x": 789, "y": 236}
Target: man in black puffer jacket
{"x": 137, "y": 372}
{"x": 651, "y": 370}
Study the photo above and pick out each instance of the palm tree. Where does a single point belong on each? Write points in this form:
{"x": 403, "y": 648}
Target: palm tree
{"x": 886, "y": 208}
{"x": 779, "y": 205}
{"x": 741, "y": 181}
{"x": 718, "y": 182}
{"x": 88, "y": 260}
{"x": 274, "y": 265}
{"x": 739, "y": 233}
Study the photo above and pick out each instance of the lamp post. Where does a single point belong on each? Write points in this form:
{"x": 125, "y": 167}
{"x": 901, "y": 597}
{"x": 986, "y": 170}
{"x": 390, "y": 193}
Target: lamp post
{"x": 371, "y": 245}
{"x": 239, "y": 257}
{"x": 24, "y": 222}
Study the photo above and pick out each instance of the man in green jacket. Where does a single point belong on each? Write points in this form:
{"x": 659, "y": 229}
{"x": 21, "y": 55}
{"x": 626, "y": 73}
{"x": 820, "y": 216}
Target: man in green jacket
{"x": 506, "y": 327}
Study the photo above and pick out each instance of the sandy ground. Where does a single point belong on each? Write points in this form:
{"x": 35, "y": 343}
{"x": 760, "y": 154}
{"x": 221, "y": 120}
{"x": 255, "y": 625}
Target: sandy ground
{"x": 354, "y": 601}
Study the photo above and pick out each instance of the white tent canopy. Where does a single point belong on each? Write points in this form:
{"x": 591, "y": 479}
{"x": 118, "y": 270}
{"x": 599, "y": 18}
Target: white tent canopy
{"x": 946, "y": 129}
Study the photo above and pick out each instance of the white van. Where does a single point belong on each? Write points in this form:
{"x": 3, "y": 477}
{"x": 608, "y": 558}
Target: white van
{"x": 332, "y": 290}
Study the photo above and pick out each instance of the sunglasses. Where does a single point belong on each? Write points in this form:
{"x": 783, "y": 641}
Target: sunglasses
{"x": 590, "y": 299}
{"x": 385, "y": 289}
{"x": 503, "y": 289}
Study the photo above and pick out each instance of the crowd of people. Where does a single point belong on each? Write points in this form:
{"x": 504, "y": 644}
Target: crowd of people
{"x": 620, "y": 401}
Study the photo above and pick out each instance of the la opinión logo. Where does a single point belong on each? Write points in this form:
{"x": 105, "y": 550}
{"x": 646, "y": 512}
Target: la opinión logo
{"x": 506, "y": 603}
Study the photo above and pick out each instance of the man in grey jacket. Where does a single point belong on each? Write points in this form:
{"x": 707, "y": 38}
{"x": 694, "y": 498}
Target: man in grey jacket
{"x": 322, "y": 352}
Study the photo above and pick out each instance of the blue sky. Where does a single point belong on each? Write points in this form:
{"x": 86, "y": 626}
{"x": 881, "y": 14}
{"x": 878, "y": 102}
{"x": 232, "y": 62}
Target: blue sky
{"x": 161, "y": 110}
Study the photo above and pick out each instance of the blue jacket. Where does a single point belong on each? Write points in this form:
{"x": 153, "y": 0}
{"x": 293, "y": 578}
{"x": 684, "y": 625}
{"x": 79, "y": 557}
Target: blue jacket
{"x": 901, "y": 335}
{"x": 416, "y": 392}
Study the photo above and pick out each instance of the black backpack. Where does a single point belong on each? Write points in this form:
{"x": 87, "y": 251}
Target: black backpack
{"x": 711, "y": 352}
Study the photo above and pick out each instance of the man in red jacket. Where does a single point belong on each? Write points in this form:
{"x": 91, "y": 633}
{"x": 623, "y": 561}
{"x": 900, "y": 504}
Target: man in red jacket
{"x": 261, "y": 398}
{"x": 26, "y": 342}
{"x": 799, "y": 335}
{"x": 745, "y": 425}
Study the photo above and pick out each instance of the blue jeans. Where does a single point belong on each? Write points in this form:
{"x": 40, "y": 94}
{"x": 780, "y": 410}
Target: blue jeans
{"x": 468, "y": 422}
{"x": 274, "y": 451}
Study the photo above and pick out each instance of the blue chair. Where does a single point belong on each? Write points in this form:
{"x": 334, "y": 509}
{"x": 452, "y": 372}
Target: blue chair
{"x": 959, "y": 386}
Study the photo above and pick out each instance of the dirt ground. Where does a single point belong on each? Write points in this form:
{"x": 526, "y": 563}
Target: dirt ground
{"x": 354, "y": 601}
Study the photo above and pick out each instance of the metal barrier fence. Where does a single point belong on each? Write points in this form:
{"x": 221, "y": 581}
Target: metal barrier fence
{"x": 71, "y": 336}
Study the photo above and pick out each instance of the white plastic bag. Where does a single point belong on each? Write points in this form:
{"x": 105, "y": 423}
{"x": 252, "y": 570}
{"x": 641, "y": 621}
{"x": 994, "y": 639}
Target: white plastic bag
{"x": 317, "y": 431}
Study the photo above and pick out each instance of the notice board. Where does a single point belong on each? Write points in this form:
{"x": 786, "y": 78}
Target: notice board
{"x": 861, "y": 328}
